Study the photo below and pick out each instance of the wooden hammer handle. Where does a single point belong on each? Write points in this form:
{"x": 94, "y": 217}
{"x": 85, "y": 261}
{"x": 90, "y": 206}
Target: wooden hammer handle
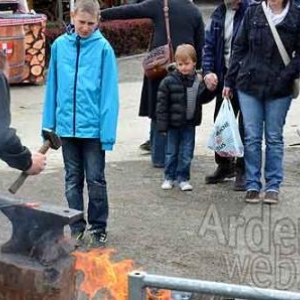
{"x": 22, "y": 177}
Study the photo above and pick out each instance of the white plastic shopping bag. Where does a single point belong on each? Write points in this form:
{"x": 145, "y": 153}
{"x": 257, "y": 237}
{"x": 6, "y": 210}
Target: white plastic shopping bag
{"x": 225, "y": 138}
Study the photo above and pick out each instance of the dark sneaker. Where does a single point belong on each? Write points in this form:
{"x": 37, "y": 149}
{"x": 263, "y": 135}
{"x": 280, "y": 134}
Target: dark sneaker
{"x": 271, "y": 197}
{"x": 220, "y": 175}
{"x": 77, "y": 238}
{"x": 146, "y": 146}
{"x": 252, "y": 196}
{"x": 240, "y": 182}
{"x": 97, "y": 238}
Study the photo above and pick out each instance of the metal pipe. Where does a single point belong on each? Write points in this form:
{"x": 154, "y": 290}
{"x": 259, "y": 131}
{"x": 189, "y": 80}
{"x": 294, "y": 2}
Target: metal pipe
{"x": 140, "y": 280}
{"x": 136, "y": 286}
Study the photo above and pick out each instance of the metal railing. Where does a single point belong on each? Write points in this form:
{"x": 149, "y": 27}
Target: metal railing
{"x": 138, "y": 281}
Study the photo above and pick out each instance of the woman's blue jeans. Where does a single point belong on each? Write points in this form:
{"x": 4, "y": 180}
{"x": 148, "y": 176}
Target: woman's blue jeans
{"x": 158, "y": 146}
{"x": 179, "y": 153}
{"x": 264, "y": 117}
{"x": 85, "y": 158}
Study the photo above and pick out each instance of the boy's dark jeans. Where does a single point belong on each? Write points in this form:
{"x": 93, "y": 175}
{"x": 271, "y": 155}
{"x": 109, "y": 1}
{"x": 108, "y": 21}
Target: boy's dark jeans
{"x": 85, "y": 158}
{"x": 179, "y": 153}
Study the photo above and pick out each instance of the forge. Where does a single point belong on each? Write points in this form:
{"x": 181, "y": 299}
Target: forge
{"x": 36, "y": 262}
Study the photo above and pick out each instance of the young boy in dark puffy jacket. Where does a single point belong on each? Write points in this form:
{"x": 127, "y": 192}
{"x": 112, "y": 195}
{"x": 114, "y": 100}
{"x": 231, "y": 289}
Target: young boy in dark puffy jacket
{"x": 178, "y": 111}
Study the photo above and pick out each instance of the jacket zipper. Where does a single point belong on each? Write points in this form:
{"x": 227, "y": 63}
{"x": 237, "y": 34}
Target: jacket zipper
{"x": 75, "y": 84}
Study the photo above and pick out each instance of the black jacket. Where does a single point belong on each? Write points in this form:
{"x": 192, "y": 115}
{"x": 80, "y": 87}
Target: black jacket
{"x": 172, "y": 103}
{"x": 256, "y": 67}
{"x": 186, "y": 26}
{"x": 11, "y": 150}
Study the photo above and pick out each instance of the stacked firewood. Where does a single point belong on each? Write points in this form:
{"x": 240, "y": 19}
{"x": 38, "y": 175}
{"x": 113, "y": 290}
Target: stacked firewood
{"x": 34, "y": 53}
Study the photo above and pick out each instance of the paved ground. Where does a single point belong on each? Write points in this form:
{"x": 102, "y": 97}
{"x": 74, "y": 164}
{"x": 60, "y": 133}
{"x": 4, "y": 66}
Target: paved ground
{"x": 208, "y": 233}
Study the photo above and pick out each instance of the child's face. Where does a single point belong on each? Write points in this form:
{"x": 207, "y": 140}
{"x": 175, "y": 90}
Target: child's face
{"x": 84, "y": 23}
{"x": 186, "y": 66}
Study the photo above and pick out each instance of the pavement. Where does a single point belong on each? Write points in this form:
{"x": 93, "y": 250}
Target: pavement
{"x": 209, "y": 233}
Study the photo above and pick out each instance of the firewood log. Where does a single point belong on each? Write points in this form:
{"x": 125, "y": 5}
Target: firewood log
{"x": 38, "y": 44}
{"x": 36, "y": 70}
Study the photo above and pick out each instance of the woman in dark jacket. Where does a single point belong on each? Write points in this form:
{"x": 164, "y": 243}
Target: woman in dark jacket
{"x": 264, "y": 86}
{"x": 186, "y": 26}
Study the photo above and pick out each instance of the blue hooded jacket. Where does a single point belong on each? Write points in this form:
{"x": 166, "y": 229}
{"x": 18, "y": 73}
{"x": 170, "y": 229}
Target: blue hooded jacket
{"x": 82, "y": 89}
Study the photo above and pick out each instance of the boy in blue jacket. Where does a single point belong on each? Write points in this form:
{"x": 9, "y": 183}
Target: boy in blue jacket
{"x": 81, "y": 105}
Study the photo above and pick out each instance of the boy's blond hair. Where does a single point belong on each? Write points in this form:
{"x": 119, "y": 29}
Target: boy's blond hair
{"x": 3, "y": 60}
{"x": 184, "y": 52}
{"x": 91, "y": 7}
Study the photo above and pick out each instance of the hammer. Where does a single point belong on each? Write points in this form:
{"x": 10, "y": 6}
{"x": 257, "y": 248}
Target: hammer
{"x": 53, "y": 141}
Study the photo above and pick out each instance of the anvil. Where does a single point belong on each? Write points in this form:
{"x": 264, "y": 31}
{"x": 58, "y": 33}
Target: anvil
{"x": 37, "y": 228}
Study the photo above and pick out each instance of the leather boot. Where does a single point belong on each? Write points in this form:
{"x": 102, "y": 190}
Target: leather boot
{"x": 240, "y": 181}
{"x": 220, "y": 174}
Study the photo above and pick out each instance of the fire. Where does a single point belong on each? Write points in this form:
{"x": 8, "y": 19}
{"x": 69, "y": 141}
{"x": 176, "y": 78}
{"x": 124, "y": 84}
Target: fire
{"x": 158, "y": 294}
{"x": 111, "y": 278}
{"x": 102, "y": 274}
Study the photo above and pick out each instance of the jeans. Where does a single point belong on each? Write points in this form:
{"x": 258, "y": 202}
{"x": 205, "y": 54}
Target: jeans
{"x": 179, "y": 153}
{"x": 84, "y": 157}
{"x": 268, "y": 117}
{"x": 158, "y": 146}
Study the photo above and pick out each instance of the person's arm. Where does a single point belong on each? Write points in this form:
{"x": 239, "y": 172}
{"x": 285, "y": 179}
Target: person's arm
{"x": 109, "y": 99}
{"x": 49, "y": 110}
{"x": 11, "y": 149}
{"x": 209, "y": 57}
{"x": 239, "y": 51}
{"x": 208, "y": 53}
{"x": 140, "y": 10}
{"x": 162, "y": 106}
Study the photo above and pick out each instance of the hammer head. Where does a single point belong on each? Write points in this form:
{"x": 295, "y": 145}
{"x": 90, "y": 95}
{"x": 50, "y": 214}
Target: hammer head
{"x": 52, "y": 137}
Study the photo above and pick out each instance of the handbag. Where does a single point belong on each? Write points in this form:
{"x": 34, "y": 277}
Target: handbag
{"x": 156, "y": 61}
{"x": 284, "y": 55}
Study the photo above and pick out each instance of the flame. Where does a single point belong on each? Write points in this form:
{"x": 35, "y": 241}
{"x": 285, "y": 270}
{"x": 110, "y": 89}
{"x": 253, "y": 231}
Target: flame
{"x": 111, "y": 278}
{"x": 158, "y": 294}
{"x": 102, "y": 274}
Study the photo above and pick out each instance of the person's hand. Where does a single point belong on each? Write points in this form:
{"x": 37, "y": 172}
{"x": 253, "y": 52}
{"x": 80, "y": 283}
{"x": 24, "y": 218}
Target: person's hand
{"x": 38, "y": 164}
{"x": 211, "y": 81}
{"x": 227, "y": 92}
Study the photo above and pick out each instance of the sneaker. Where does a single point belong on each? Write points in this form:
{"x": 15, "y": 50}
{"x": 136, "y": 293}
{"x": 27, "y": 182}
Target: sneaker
{"x": 220, "y": 175}
{"x": 97, "y": 238}
{"x": 271, "y": 197}
{"x": 252, "y": 196}
{"x": 167, "y": 184}
{"x": 77, "y": 238}
{"x": 185, "y": 186}
{"x": 146, "y": 146}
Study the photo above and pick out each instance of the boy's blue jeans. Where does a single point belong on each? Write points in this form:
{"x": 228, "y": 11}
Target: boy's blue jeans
{"x": 268, "y": 117}
{"x": 85, "y": 158}
{"x": 179, "y": 153}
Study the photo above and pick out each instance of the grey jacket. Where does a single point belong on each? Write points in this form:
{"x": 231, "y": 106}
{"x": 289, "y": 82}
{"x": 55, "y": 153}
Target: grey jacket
{"x": 11, "y": 150}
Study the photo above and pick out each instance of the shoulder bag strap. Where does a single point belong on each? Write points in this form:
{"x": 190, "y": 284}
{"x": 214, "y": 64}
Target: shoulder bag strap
{"x": 167, "y": 22}
{"x": 284, "y": 55}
